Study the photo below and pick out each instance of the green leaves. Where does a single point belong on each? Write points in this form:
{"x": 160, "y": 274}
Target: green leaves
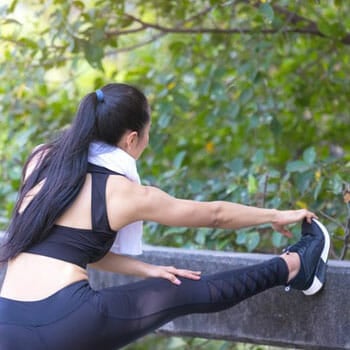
{"x": 309, "y": 156}
{"x": 179, "y": 159}
{"x": 251, "y": 116}
{"x": 278, "y": 240}
{"x": 252, "y": 184}
{"x": 267, "y": 11}
{"x": 256, "y": 116}
{"x": 246, "y": 96}
{"x": 331, "y": 28}
{"x": 307, "y": 163}
{"x": 93, "y": 54}
{"x": 249, "y": 239}
{"x": 297, "y": 166}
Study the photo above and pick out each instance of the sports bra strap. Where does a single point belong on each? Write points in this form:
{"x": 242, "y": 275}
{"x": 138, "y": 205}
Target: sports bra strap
{"x": 99, "y": 176}
{"x": 92, "y": 168}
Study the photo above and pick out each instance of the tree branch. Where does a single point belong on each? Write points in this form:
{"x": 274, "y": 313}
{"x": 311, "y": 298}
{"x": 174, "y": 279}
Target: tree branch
{"x": 346, "y": 240}
{"x": 338, "y": 223}
{"x": 346, "y": 195}
{"x": 136, "y": 46}
{"x": 292, "y": 17}
{"x": 203, "y": 30}
{"x": 125, "y": 32}
{"x": 11, "y": 40}
{"x": 145, "y": 25}
{"x": 310, "y": 27}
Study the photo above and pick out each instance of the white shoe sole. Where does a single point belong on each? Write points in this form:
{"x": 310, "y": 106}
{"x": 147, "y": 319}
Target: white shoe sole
{"x": 319, "y": 277}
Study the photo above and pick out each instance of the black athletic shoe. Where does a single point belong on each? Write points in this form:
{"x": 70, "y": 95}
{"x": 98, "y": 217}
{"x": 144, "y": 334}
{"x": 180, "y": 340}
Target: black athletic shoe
{"x": 313, "y": 249}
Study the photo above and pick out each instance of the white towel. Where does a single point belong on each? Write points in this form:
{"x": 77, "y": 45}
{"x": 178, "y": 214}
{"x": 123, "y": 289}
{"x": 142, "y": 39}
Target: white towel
{"x": 129, "y": 238}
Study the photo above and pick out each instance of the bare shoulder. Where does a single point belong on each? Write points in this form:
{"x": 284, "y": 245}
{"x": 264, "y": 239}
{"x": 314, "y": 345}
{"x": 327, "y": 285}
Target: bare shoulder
{"x": 39, "y": 152}
{"x": 128, "y": 202}
{"x": 123, "y": 199}
{"x": 118, "y": 185}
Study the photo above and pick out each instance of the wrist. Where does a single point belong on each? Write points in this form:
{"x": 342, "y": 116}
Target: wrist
{"x": 274, "y": 216}
{"x": 149, "y": 270}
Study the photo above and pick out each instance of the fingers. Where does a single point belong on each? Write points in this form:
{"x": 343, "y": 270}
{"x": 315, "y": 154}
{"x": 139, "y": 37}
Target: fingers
{"x": 309, "y": 216}
{"x": 286, "y": 217}
{"x": 170, "y": 273}
{"x": 286, "y": 233}
{"x": 194, "y": 275}
{"x": 282, "y": 230}
{"x": 172, "y": 278}
{"x": 292, "y": 216}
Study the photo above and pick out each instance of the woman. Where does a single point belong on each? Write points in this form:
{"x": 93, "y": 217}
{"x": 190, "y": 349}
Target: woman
{"x": 81, "y": 203}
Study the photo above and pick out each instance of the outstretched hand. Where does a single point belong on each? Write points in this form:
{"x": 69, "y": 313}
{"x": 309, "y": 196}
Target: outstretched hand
{"x": 286, "y": 217}
{"x": 171, "y": 273}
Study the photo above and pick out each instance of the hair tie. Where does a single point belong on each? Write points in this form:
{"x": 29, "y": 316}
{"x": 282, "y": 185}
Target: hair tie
{"x": 100, "y": 96}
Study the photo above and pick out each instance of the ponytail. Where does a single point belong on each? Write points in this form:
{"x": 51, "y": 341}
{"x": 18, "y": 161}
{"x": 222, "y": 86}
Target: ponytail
{"x": 62, "y": 165}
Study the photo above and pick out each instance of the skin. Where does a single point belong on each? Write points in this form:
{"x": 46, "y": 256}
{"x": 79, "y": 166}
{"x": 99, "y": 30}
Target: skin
{"x": 32, "y": 277}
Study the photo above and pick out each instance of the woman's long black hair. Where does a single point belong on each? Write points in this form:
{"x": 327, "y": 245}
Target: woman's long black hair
{"x": 63, "y": 163}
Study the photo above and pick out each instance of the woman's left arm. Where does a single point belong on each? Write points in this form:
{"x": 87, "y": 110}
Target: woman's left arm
{"x": 128, "y": 266}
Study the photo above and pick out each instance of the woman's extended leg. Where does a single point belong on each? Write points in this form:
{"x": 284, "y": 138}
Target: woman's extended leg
{"x": 143, "y": 306}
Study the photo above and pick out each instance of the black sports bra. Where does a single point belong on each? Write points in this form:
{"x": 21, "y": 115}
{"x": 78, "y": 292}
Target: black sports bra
{"x": 83, "y": 246}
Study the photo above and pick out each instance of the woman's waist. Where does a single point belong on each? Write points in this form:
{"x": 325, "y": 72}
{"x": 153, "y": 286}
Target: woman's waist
{"x": 32, "y": 277}
{"x": 47, "y": 310}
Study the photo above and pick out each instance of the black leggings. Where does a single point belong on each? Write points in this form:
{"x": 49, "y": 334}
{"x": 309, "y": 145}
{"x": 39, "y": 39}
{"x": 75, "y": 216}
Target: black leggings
{"x": 78, "y": 317}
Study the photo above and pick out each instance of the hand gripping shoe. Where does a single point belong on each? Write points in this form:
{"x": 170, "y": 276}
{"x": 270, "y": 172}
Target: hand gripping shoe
{"x": 312, "y": 248}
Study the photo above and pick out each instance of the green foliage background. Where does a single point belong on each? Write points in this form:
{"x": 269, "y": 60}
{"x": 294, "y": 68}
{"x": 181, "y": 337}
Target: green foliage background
{"x": 249, "y": 100}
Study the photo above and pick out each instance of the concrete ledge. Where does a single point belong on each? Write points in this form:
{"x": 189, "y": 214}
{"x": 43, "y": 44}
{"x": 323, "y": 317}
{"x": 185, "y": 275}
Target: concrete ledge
{"x": 273, "y": 317}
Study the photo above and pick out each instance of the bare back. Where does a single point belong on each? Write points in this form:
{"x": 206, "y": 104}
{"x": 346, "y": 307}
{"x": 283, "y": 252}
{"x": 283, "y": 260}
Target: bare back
{"x": 33, "y": 277}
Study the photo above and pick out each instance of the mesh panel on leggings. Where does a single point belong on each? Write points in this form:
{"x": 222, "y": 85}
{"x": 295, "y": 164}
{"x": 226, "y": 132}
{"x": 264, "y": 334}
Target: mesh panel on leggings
{"x": 234, "y": 287}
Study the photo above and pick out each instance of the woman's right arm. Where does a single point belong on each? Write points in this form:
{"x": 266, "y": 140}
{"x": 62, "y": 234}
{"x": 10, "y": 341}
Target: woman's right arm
{"x": 152, "y": 204}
